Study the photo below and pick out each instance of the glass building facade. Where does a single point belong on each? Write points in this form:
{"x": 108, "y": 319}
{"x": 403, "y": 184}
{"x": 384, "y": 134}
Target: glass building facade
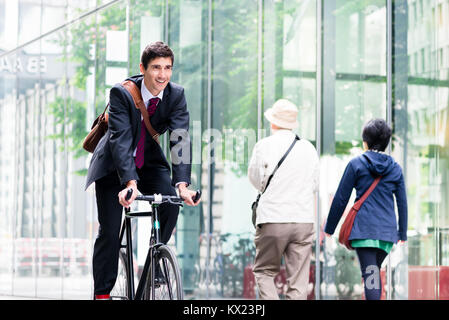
{"x": 341, "y": 62}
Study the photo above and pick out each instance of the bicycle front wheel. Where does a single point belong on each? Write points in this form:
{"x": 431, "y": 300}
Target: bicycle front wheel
{"x": 120, "y": 290}
{"x": 171, "y": 286}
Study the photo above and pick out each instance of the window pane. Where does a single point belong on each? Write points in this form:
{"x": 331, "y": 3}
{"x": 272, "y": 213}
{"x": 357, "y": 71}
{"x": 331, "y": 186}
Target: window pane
{"x": 234, "y": 123}
{"x": 419, "y": 144}
{"x": 188, "y": 41}
{"x": 354, "y": 91}
{"x": 289, "y": 71}
{"x": 8, "y": 173}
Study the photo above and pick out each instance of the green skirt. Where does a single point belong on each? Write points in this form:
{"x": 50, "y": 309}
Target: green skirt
{"x": 371, "y": 243}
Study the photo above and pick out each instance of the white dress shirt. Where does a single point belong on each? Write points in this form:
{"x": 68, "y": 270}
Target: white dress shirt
{"x": 290, "y": 195}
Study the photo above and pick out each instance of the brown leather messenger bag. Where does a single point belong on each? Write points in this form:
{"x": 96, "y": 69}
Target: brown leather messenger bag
{"x": 100, "y": 125}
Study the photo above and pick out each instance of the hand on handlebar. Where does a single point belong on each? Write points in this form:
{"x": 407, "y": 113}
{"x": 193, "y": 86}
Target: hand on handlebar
{"x": 126, "y": 199}
{"x": 130, "y": 193}
{"x": 189, "y": 195}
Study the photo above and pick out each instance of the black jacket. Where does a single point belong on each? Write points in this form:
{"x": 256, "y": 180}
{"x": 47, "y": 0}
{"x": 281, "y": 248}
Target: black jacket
{"x": 115, "y": 150}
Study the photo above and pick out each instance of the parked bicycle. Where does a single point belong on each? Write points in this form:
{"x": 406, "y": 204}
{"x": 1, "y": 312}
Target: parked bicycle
{"x": 161, "y": 277}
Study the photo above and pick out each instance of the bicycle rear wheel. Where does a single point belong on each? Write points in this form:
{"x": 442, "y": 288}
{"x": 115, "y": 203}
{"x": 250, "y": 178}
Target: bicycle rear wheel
{"x": 120, "y": 290}
{"x": 172, "y": 288}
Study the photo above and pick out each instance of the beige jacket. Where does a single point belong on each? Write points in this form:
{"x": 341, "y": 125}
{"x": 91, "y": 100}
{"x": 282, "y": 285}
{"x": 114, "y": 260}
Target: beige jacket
{"x": 291, "y": 192}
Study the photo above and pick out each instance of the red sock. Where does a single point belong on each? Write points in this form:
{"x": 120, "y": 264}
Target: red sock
{"x": 102, "y": 297}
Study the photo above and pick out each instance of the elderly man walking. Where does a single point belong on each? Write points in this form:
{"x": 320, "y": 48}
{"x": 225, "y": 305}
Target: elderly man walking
{"x": 285, "y": 213}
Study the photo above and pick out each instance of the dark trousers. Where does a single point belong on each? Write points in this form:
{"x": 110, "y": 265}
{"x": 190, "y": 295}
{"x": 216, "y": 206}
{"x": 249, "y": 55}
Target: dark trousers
{"x": 370, "y": 263}
{"x": 107, "y": 244}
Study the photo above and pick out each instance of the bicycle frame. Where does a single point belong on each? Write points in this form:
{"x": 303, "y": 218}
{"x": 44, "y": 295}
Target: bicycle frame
{"x": 154, "y": 244}
{"x": 157, "y": 250}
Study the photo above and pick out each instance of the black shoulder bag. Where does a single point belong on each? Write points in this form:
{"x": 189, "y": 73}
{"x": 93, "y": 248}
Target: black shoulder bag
{"x": 256, "y": 203}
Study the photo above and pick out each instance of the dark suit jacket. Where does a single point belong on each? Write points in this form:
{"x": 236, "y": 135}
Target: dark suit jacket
{"x": 115, "y": 150}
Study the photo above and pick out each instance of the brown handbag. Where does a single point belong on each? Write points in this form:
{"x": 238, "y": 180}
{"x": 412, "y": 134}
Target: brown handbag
{"x": 98, "y": 129}
{"x": 346, "y": 227}
{"x": 100, "y": 125}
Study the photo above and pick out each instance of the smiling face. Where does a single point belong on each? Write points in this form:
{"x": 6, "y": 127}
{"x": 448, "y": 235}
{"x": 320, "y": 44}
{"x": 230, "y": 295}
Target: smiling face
{"x": 157, "y": 75}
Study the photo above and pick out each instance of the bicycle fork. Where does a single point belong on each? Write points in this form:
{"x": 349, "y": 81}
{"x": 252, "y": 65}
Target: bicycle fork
{"x": 151, "y": 255}
{"x": 157, "y": 234}
{"x": 129, "y": 254}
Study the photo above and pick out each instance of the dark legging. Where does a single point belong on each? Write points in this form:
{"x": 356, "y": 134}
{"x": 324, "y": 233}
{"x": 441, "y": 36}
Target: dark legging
{"x": 370, "y": 263}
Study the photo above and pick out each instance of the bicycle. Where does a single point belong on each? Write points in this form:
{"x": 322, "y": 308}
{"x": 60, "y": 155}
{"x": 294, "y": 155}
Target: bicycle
{"x": 166, "y": 284}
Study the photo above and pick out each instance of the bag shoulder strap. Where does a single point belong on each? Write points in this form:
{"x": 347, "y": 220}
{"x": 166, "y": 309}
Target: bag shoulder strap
{"x": 280, "y": 162}
{"x": 359, "y": 203}
{"x": 105, "y": 108}
{"x": 138, "y": 101}
{"x": 103, "y": 117}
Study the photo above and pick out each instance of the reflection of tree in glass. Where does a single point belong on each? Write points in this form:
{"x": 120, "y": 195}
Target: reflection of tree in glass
{"x": 347, "y": 7}
{"x": 86, "y": 43}
{"x": 71, "y": 123}
{"x": 234, "y": 64}
{"x": 234, "y": 72}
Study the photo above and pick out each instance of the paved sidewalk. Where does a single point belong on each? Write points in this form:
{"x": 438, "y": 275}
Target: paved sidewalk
{"x": 5, "y": 297}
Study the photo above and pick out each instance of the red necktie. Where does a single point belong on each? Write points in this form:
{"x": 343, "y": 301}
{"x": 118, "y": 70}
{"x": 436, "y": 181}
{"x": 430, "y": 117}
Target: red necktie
{"x": 141, "y": 144}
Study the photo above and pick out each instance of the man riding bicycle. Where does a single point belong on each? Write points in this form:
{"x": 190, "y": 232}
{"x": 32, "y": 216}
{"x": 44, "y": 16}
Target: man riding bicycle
{"x": 128, "y": 156}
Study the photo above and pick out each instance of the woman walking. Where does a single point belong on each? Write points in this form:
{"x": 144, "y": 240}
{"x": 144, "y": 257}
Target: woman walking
{"x": 375, "y": 228}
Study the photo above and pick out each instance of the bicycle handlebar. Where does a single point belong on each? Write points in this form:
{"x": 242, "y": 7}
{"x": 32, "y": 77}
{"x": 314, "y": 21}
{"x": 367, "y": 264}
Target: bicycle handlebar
{"x": 161, "y": 198}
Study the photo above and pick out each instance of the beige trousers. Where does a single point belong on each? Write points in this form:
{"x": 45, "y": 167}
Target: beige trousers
{"x": 293, "y": 241}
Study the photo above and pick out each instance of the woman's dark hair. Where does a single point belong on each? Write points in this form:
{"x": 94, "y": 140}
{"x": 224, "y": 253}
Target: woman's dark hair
{"x": 376, "y": 134}
{"x": 155, "y": 50}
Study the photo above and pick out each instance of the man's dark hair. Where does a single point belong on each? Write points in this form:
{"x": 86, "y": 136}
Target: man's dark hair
{"x": 376, "y": 134}
{"x": 155, "y": 50}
